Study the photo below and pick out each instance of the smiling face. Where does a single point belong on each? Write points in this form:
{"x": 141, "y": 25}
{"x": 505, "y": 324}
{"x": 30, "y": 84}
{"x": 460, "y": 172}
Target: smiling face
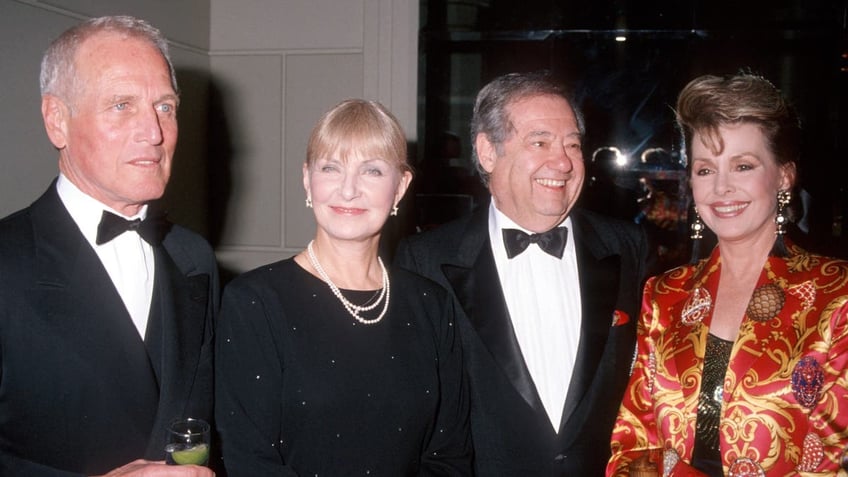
{"x": 117, "y": 133}
{"x": 735, "y": 189}
{"x": 537, "y": 178}
{"x": 353, "y": 195}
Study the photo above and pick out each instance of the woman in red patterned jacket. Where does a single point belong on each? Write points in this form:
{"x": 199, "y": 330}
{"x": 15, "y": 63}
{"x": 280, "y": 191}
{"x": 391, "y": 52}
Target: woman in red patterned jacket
{"x": 742, "y": 357}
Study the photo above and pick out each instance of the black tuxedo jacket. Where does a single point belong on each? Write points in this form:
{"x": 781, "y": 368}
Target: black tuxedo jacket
{"x": 80, "y": 391}
{"x": 511, "y": 432}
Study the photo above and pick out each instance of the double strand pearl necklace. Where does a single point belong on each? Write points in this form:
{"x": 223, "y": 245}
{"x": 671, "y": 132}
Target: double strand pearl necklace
{"x": 351, "y": 308}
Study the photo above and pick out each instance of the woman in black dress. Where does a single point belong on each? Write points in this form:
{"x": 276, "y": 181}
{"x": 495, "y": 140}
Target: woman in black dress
{"x": 327, "y": 364}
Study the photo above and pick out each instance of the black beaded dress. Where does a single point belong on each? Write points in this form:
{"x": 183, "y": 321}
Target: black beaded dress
{"x": 303, "y": 389}
{"x": 706, "y": 456}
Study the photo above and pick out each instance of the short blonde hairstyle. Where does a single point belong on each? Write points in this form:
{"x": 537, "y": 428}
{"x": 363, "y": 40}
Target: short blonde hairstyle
{"x": 357, "y": 126}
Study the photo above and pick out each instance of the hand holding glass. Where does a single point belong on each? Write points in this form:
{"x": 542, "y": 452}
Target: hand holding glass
{"x": 188, "y": 442}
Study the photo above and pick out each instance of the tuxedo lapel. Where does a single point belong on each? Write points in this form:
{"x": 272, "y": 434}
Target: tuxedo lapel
{"x": 177, "y": 329}
{"x": 82, "y": 305}
{"x": 599, "y": 282}
{"x": 155, "y": 334}
{"x": 473, "y": 277}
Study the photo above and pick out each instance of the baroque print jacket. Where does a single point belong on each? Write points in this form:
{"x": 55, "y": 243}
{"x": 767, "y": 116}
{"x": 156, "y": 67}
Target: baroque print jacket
{"x": 784, "y": 401}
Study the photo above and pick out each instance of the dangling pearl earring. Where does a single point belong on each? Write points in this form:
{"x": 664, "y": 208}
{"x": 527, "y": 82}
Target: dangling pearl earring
{"x": 697, "y": 227}
{"x": 783, "y": 198}
{"x": 309, "y": 202}
{"x": 781, "y": 219}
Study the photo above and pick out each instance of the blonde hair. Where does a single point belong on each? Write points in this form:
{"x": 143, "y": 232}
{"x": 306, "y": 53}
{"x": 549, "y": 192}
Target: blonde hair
{"x": 362, "y": 127}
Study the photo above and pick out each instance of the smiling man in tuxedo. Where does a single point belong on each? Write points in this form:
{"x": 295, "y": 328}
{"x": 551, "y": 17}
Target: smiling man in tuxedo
{"x": 549, "y": 294}
{"x": 106, "y": 309}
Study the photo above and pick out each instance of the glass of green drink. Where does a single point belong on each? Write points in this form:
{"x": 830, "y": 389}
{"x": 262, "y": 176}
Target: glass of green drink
{"x": 188, "y": 442}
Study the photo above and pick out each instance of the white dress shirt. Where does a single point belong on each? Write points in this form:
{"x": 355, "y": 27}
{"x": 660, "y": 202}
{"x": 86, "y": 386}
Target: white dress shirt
{"x": 542, "y": 295}
{"x": 127, "y": 258}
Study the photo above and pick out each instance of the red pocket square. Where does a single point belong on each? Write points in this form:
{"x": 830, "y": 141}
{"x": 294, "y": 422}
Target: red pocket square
{"x": 619, "y": 318}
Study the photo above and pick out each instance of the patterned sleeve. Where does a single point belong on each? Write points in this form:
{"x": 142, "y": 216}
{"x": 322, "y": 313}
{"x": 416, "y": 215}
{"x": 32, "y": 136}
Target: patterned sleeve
{"x": 829, "y": 418}
{"x": 635, "y": 432}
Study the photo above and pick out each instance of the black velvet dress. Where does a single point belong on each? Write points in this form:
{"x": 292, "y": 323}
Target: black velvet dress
{"x": 304, "y": 389}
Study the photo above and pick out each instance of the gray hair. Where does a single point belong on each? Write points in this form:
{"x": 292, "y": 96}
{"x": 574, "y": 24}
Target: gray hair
{"x": 58, "y": 69}
{"x": 491, "y": 116}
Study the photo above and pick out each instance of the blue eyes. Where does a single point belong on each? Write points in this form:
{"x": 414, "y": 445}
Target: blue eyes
{"x": 368, "y": 172}
{"x": 165, "y": 108}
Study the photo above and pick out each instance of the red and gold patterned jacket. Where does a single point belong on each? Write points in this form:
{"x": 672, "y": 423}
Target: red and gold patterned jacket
{"x": 785, "y": 409}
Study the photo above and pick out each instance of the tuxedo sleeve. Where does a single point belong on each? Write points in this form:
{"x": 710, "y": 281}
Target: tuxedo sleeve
{"x": 449, "y": 449}
{"x": 14, "y": 466}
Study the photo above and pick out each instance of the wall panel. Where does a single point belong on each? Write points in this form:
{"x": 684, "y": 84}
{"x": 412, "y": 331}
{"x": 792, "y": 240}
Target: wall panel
{"x": 314, "y": 84}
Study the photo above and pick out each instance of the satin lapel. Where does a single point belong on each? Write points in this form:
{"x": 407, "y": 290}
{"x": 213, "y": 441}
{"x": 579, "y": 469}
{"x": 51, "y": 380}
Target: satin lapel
{"x": 176, "y": 332}
{"x": 459, "y": 268}
{"x": 754, "y": 336}
{"x": 599, "y": 282}
{"x": 475, "y": 282}
{"x": 679, "y": 352}
{"x": 681, "y": 348}
{"x": 80, "y": 302}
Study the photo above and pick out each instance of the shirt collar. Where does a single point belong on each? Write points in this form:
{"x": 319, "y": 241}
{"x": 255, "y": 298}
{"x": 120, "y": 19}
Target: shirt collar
{"x": 86, "y": 210}
{"x": 499, "y": 221}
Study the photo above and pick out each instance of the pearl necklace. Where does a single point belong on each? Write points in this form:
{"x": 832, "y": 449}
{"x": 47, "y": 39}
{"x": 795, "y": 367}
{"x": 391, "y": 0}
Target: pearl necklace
{"x": 351, "y": 308}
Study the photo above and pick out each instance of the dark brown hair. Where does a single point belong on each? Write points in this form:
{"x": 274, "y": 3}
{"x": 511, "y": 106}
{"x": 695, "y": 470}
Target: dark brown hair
{"x": 709, "y": 102}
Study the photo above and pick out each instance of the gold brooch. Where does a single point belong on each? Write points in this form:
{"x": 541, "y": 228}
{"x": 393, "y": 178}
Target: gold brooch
{"x": 766, "y": 302}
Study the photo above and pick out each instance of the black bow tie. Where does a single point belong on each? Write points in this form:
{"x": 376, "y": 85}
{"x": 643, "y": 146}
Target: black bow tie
{"x": 152, "y": 229}
{"x": 552, "y": 241}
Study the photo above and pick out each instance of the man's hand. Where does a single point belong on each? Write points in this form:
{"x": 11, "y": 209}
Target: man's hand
{"x": 146, "y": 468}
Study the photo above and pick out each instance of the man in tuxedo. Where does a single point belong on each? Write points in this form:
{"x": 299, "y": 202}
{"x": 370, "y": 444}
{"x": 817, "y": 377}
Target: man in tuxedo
{"x": 549, "y": 295}
{"x": 106, "y": 309}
